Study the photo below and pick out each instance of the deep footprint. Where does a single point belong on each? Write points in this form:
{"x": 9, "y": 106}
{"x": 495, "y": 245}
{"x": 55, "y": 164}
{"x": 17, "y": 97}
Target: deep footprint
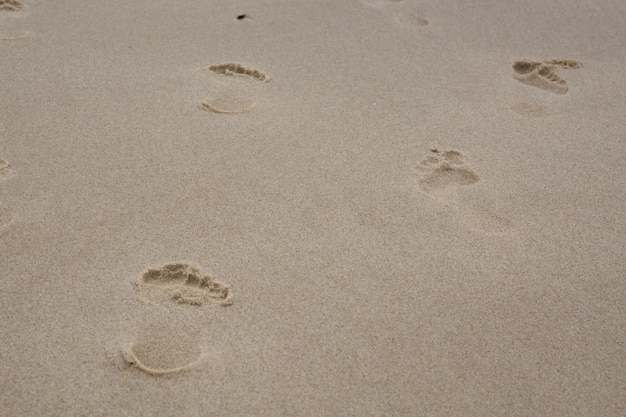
{"x": 184, "y": 284}
{"x": 444, "y": 176}
{"x": 543, "y": 74}
{"x": 234, "y": 88}
{"x": 238, "y": 69}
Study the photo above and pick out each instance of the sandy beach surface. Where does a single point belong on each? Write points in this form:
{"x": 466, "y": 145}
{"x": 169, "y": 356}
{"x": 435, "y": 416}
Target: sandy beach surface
{"x": 312, "y": 208}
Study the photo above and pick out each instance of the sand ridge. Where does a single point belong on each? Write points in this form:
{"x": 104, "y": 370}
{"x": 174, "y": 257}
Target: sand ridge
{"x": 11, "y": 5}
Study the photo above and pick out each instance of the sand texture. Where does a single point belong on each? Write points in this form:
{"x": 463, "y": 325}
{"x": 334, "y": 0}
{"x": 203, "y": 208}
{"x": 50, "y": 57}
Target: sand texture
{"x": 312, "y": 208}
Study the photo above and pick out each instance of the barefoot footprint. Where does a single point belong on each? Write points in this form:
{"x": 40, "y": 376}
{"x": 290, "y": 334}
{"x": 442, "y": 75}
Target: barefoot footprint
{"x": 184, "y": 284}
{"x": 171, "y": 344}
{"x": 446, "y": 178}
{"x": 235, "y": 88}
{"x": 11, "y": 8}
{"x": 543, "y": 74}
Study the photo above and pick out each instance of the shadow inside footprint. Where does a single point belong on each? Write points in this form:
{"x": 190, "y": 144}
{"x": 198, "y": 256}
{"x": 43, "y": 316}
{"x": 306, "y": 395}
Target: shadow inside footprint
{"x": 238, "y": 69}
{"x": 445, "y": 176}
{"x": 11, "y": 5}
{"x": 543, "y": 74}
{"x": 183, "y": 283}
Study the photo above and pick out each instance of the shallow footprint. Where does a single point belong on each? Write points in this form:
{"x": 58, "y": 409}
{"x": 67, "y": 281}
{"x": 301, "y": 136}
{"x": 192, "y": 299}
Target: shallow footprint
{"x": 11, "y": 8}
{"x": 446, "y": 178}
{"x": 444, "y": 169}
{"x": 184, "y": 284}
{"x": 543, "y": 74}
{"x": 235, "y": 88}
{"x": 161, "y": 349}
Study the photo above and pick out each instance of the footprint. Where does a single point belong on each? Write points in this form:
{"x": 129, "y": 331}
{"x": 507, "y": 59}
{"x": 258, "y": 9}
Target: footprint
{"x": 184, "y": 284}
{"x": 11, "y": 6}
{"x": 235, "y": 88}
{"x": 5, "y": 171}
{"x": 446, "y": 178}
{"x": 161, "y": 349}
{"x": 172, "y": 343}
{"x": 444, "y": 169}
{"x": 147, "y": 359}
{"x": 543, "y": 74}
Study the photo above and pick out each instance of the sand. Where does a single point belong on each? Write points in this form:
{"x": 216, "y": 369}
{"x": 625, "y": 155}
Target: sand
{"x": 325, "y": 208}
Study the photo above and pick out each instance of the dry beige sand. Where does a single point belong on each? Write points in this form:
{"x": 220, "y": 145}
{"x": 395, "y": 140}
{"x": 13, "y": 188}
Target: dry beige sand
{"x": 325, "y": 208}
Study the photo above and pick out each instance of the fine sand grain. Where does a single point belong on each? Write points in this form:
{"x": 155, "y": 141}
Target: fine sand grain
{"x": 310, "y": 208}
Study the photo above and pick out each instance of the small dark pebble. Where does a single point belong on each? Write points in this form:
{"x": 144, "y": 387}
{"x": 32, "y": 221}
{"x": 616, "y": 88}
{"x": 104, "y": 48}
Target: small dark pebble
{"x": 241, "y": 16}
